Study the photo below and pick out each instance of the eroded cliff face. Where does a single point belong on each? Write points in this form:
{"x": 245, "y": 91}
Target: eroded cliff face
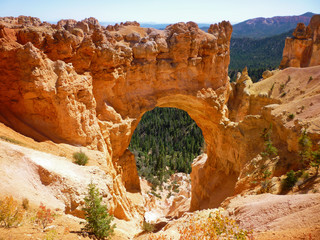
{"x": 84, "y": 84}
{"x": 303, "y": 49}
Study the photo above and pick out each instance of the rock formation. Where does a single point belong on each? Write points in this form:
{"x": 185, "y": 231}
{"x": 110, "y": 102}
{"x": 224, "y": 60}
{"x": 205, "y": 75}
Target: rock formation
{"x": 266, "y": 74}
{"x": 85, "y": 84}
{"x": 303, "y": 49}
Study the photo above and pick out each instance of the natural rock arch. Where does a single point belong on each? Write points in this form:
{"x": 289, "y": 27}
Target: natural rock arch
{"x": 84, "y": 84}
{"x": 207, "y": 116}
{"x": 190, "y": 74}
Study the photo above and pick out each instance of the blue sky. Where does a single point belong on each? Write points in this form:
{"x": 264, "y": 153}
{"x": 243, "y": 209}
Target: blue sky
{"x": 164, "y": 11}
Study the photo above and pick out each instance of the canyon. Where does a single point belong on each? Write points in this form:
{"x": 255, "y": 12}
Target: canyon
{"x": 77, "y": 84}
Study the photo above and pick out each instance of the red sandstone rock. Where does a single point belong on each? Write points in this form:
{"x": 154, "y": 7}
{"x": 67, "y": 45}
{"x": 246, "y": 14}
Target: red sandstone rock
{"x": 302, "y": 32}
{"x": 303, "y": 49}
{"x": 81, "y": 84}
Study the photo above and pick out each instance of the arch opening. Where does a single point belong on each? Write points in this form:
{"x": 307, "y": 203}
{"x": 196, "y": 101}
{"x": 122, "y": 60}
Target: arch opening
{"x": 166, "y": 141}
{"x": 165, "y": 144}
{"x": 214, "y": 173}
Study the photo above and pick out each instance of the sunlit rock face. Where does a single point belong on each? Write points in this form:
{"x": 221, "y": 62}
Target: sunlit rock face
{"x": 85, "y": 84}
{"x": 303, "y": 49}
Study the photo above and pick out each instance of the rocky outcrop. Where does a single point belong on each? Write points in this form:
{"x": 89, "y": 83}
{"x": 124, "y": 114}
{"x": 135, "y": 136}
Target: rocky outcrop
{"x": 239, "y": 98}
{"x": 303, "y": 49}
{"x": 84, "y": 84}
{"x": 243, "y": 103}
{"x": 128, "y": 169}
{"x": 49, "y": 97}
{"x": 266, "y": 74}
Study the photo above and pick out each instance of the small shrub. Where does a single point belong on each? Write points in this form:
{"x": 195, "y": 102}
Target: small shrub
{"x": 305, "y": 175}
{"x": 176, "y": 190}
{"x": 316, "y": 160}
{"x": 270, "y": 150}
{"x": 271, "y": 89}
{"x": 283, "y": 94}
{"x": 290, "y": 180}
{"x": 11, "y": 140}
{"x": 307, "y": 155}
{"x": 216, "y": 226}
{"x": 80, "y": 158}
{"x": 25, "y": 204}
{"x": 11, "y": 212}
{"x": 291, "y": 116}
{"x": 147, "y": 227}
{"x": 154, "y": 180}
{"x": 282, "y": 86}
{"x": 44, "y": 216}
{"x": 310, "y": 79}
{"x": 51, "y": 235}
{"x": 305, "y": 145}
{"x": 302, "y": 174}
{"x": 98, "y": 220}
{"x": 154, "y": 188}
{"x": 156, "y": 194}
{"x": 254, "y": 182}
{"x": 266, "y": 174}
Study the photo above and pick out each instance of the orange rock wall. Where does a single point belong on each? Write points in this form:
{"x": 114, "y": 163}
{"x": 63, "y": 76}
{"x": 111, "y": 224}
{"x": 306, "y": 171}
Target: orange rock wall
{"x": 85, "y": 84}
{"x": 303, "y": 49}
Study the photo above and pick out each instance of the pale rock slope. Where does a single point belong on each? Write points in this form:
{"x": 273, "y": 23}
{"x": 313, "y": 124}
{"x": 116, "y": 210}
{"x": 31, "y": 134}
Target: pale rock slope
{"x": 53, "y": 180}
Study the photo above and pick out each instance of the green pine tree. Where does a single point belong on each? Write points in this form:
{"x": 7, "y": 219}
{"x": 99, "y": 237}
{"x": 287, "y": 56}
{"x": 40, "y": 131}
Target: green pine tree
{"x": 98, "y": 220}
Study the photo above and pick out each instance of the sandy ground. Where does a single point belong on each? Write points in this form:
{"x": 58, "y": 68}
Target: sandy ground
{"x": 281, "y": 216}
{"x": 270, "y": 217}
{"x": 64, "y": 227}
{"x": 298, "y": 89}
{"x": 56, "y": 182}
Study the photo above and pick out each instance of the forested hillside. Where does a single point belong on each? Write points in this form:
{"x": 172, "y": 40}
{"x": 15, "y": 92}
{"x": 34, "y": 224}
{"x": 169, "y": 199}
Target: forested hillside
{"x": 165, "y": 141}
{"x": 257, "y": 54}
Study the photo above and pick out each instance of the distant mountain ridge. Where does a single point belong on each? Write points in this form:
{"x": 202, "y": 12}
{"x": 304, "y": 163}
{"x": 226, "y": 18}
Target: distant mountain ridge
{"x": 266, "y": 27}
{"x": 256, "y": 28}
